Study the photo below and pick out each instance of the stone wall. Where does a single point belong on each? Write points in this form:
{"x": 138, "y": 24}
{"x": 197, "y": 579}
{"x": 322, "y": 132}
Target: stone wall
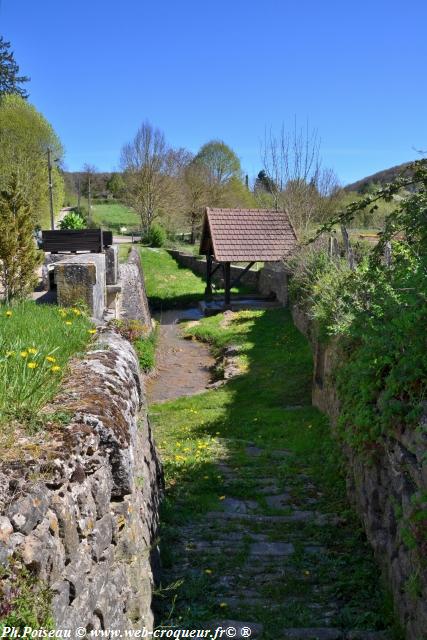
{"x": 133, "y": 299}
{"x": 79, "y": 502}
{"x": 389, "y": 491}
{"x": 273, "y": 280}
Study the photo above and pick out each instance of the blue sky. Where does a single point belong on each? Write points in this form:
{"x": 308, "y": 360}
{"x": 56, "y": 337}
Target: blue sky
{"x": 228, "y": 69}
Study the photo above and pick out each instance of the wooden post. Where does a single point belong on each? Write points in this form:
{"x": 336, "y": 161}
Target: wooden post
{"x": 348, "y": 249}
{"x": 208, "y": 290}
{"x": 227, "y": 283}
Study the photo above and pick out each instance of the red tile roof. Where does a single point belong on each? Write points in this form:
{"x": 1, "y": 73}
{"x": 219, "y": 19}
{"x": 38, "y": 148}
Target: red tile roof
{"x": 247, "y": 235}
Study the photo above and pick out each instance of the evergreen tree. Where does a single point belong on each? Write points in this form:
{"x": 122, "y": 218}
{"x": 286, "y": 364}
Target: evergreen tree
{"x": 19, "y": 256}
{"x": 10, "y": 80}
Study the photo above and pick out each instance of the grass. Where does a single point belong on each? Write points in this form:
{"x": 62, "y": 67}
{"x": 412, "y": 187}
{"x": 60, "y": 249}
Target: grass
{"x": 114, "y": 216}
{"x": 269, "y": 404}
{"x": 167, "y": 284}
{"x": 36, "y": 343}
{"x": 146, "y": 351}
{"x": 170, "y": 286}
{"x": 27, "y": 601}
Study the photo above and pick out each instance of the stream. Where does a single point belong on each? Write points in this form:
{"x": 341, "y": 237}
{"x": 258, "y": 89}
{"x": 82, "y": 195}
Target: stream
{"x": 182, "y": 365}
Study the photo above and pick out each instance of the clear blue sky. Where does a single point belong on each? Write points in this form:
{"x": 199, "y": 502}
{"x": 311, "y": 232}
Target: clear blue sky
{"x": 227, "y": 69}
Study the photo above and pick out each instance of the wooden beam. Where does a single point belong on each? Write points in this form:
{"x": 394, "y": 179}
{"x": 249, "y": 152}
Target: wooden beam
{"x": 241, "y": 274}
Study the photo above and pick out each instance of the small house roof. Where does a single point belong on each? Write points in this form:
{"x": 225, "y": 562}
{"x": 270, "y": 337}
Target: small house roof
{"x": 247, "y": 235}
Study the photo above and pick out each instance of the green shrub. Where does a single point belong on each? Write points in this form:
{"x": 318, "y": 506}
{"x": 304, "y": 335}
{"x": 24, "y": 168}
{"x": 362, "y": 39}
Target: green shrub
{"x": 156, "y": 236}
{"x": 72, "y": 220}
{"x": 19, "y": 256}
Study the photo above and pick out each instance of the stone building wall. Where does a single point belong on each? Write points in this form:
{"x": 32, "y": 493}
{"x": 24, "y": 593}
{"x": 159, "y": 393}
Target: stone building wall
{"x": 79, "y": 502}
{"x": 388, "y": 489}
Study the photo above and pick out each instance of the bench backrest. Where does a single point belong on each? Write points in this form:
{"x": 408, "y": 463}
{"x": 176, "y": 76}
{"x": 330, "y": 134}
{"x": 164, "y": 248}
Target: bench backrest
{"x": 93, "y": 240}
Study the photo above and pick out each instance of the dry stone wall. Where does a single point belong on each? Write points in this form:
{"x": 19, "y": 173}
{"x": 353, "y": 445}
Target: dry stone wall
{"x": 388, "y": 489}
{"x": 79, "y": 505}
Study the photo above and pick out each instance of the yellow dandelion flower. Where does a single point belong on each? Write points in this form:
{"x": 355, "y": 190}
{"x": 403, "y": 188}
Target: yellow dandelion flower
{"x": 32, "y": 351}
{"x": 24, "y": 354}
{"x": 50, "y": 359}
{"x": 8, "y": 314}
{"x": 68, "y": 322}
{"x": 32, "y": 365}
{"x": 92, "y": 331}
{"x": 76, "y": 312}
{"x": 55, "y": 368}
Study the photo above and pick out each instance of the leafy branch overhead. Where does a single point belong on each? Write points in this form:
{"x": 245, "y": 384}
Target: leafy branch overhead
{"x": 409, "y": 214}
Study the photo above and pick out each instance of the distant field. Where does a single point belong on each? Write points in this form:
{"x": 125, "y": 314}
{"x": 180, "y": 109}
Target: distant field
{"x": 113, "y": 216}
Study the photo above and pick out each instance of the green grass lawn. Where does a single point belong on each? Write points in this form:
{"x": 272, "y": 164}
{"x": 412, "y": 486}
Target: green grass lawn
{"x": 170, "y": 286}
{"x": 114, "y": 216}
{"x": 36, "y": 343}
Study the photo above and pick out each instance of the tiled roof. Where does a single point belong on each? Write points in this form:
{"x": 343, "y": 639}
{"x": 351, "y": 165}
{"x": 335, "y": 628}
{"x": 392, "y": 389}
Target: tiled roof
{"x": 247, "y": 235}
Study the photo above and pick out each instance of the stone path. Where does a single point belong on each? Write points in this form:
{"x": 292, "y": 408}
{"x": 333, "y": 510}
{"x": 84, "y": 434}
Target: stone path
{"x": 268, "y": 557}
{"x": 182, "y": 366}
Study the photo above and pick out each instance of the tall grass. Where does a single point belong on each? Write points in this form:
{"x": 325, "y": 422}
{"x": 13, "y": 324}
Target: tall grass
{"x": 36, "y": 343}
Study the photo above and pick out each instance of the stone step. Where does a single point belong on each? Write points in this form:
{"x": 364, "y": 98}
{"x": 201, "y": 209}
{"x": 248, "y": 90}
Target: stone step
{"x": 319, "y": 519}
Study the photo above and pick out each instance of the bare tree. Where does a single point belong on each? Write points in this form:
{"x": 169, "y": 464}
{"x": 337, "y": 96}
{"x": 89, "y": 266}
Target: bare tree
{"x": 147, "y": 162}
{"x": 297, "y": 182}
{"x": 89, "y": 171}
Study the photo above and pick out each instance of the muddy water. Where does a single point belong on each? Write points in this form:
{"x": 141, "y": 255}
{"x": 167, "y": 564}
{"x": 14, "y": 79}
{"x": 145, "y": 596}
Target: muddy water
{"x": 182, "y": 366}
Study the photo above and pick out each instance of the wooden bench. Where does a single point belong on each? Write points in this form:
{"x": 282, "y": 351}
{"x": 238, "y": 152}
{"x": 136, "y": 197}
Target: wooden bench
{"x": 61, "y": 240}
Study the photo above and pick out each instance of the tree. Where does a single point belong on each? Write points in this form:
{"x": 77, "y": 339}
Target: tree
{"x": 116, "y": 185}
{"x": 149, "y": 167}
{"x": 19, "y": 256}
{"x": 196, "y": 183}
{"x": 219, "y": 161}
{"x": 10, "y": 80}
{"x": 295, "y": 177}
{"x": 25, "y": 137}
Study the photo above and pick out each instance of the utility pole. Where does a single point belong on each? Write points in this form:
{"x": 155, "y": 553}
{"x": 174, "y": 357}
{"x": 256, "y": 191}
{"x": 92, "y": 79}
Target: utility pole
{"x": 78, "y": 192}
{"x": 49, "y": 168}
{"x": 89, "y": 217}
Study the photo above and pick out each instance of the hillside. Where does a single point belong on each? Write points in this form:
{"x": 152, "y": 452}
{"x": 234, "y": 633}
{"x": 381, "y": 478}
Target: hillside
{"x": 379, "y": 178}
